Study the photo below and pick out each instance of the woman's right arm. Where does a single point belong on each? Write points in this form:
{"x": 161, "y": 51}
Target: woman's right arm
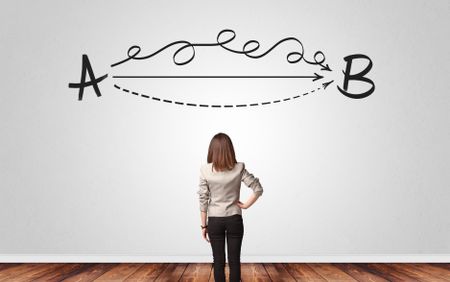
{"x": 253, "y": 183}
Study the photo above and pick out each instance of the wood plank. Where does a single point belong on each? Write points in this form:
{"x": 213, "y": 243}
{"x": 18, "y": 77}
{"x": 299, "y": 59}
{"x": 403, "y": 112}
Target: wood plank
{"x": 119, "y": 272}
{"x": 63, "y": 272}
{"x": 330, "y": 272}
{"x": 373, "y": 270}
{"x": 173, "y": 272}
{"x": 359, "y": 273}
{"x": 8, "y": 265}
{"x": 278, "y": 272}
{"x": 303, "y": 272}
{"x": 35, "y": 273}
{"x": 148, "y": 272}
{"x": 197, "y": 272}
{"x": 414, "y": 273}
{"x": 91, "y": 272}
{"x": 434, "y": 270}
{"x": 9, "y": 273}
{"x": 388, "y": 272}
{"x": 442, "y": 265}
{"x": 254, "y": 272}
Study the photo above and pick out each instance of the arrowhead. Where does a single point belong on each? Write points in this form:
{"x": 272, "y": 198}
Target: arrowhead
{"x": 327, "y": 68}
{"x": 325, "y": 85}
{"x": 318, "y": 76}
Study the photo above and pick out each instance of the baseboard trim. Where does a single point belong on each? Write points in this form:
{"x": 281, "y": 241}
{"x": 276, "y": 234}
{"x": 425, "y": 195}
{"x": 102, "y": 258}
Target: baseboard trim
{"x": 385, "y": 258}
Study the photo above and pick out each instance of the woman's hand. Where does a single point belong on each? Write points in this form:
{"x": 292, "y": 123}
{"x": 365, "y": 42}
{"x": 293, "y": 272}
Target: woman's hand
{"x": 204, "y": 234}
{"x": 242, "y": 205}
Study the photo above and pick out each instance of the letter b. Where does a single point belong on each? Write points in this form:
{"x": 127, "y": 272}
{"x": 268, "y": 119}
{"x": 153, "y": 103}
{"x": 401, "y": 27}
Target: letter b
{"x": 358, "y": 76}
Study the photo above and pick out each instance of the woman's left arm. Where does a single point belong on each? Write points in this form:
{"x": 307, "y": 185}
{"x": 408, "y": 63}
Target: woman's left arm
{"x": 204, "y": 196}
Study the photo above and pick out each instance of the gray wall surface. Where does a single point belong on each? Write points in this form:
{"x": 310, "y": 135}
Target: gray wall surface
{"x": 118, "y": 174}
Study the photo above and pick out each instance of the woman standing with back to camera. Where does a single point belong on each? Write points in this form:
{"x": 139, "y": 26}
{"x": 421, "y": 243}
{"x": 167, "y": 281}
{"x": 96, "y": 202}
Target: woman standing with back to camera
{"x": 219, "y": 191}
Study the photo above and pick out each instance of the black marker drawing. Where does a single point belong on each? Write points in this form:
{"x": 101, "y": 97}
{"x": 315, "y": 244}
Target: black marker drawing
{"x": 134, "y": 51}
{"x": 248, "y": 49}
{"x": 86, "y": 66}
{"x": 126, "y": 90}
{"x": 314, "y": 77}
{"x": 359, "y": 76}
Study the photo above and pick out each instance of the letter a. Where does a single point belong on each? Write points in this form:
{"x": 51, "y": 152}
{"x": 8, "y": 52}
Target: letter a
{"x": 86, "y": 66}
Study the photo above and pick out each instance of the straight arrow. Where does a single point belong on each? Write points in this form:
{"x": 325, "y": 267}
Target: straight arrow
{"x": 315, "y": 76}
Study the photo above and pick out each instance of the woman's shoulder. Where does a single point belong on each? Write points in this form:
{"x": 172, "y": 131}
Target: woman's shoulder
{"x": 240, "y": 166}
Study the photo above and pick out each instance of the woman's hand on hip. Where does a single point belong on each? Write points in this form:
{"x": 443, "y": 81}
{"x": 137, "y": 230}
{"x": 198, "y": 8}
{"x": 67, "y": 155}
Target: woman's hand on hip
{"x": 242, "y": 205}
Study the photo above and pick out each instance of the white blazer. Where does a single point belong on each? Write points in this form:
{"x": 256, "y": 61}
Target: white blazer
{"x": 219, "y": 191}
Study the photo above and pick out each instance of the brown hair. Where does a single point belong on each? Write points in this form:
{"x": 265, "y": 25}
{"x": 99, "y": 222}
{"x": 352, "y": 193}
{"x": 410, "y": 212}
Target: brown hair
{"x": 221, "y": 152}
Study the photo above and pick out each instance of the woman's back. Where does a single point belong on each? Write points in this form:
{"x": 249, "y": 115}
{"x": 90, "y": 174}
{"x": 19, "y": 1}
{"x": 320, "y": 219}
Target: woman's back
{"x": 219, "y": 191}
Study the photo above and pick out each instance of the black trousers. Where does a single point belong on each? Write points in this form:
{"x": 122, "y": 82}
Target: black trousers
{"x": 231, "y": 227}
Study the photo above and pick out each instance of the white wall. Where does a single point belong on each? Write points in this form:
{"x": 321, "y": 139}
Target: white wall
{"x": 118, "y": 174}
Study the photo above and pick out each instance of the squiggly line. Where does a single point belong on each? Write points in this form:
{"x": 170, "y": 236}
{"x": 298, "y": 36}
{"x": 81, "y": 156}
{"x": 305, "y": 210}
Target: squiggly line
{"x": 318, "y": 58}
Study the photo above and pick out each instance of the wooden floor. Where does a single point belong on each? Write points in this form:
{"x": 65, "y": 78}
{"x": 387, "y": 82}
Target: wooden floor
{"x": 204, "y": 272}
